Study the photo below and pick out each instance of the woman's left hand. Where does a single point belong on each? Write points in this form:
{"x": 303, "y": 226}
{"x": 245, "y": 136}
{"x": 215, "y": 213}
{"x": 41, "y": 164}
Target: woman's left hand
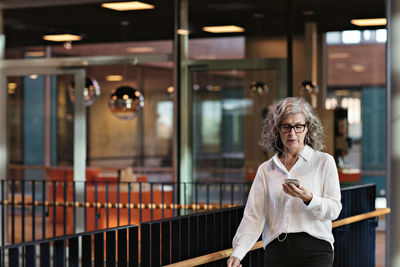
{"x": 297, "y": 191}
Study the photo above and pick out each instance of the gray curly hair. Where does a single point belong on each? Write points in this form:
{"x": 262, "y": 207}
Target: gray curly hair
{"x": 270, "y": 139}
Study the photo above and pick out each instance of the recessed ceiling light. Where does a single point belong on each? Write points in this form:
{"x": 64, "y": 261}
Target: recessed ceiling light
{"x": 358, "y": 68}
{"x": 35, "y": 54}
{"x": 140, "y": 49}
{"x": 11, "y": 88}
{"x": 62, "y": 37}
{"x": 223, "y": 29}
{"x": 340, "y": 65}
{"x": 114, "y": 78}
{"x": 125, "y": 6}
{"x": 170, "y": 89}
{"x": 182, "y": 32}
{"x": 342, "y": 92}
{"x": 369, "y": 22}
{"x": 339, "y": 55}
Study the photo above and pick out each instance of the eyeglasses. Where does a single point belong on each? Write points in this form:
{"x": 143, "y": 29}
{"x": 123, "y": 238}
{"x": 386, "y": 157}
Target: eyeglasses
{"x": 298, "y": 128}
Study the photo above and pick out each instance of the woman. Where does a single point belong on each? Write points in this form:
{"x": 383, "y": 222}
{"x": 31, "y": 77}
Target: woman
{"x": 295, "y": 219}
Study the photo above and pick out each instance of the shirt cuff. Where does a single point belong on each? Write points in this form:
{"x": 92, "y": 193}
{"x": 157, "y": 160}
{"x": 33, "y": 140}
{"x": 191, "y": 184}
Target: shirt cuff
{"x": 314, "y": 203}
{"x": 239, "y": 252}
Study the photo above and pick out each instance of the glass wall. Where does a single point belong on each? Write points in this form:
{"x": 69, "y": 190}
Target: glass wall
{"x": 357, "y": 94}
{"x": 235, "y": 74}
{"x": 142, "y": 141}
{"x": 227, "y": 119}
{"x": 240, "y": 70}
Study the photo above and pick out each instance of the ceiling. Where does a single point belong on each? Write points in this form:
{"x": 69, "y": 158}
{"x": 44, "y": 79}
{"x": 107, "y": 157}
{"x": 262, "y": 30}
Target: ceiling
{"x": 26, "y": 21}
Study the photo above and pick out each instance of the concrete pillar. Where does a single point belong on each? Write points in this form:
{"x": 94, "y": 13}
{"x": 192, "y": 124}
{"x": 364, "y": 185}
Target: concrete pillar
{"x": 79, "y": 145}
{"x": 47, "y": 116}
{"x": 310, "y": 40}
{"x": 393, "y": 131}
{"x": 183, "y": 101}
{"x": 3, "y": 126}
{"x": 310, "y": 34}
{"x": 79, "y": 127}
{"x": 3, "y": 107}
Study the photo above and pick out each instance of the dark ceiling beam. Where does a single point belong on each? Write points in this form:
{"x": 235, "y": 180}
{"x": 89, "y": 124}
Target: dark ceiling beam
{"x": 12, "y": 4}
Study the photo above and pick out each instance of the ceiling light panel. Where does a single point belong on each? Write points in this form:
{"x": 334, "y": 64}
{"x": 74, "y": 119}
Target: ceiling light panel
{"x": 369, "y": 22}
{"x": 339, "y": 55}
{"x": 140, "y": 49}
{"x": 35, "y": 54}
{"x": 114, "y": 78}
{"x": 182, "y": 32}
{"x": 223, "y": 29}
{"x": 62, "y": 37}
{"x": 125, "y": 6}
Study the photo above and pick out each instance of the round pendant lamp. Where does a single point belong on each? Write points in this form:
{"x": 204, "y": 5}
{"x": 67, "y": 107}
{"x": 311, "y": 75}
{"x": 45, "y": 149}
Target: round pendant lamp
{"x": 126, "y": 102}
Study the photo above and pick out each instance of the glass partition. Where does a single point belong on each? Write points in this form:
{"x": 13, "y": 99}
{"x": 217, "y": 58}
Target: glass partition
{"x": 356, "y": 91}
{"x": 142, "y": 143}
{"x": 229, "y": 105}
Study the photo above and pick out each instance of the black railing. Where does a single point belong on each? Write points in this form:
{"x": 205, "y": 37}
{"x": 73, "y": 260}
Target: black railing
{"x": 42, "y": 209}
{"x": 115, "y": 247}
{"x": 189, "y": 236}
{"x": 176, "y": 239}
{"x": 355, "y": 243}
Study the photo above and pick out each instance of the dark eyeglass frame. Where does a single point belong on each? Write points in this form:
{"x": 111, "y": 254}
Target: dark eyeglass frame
{"x": 287, "y": 128}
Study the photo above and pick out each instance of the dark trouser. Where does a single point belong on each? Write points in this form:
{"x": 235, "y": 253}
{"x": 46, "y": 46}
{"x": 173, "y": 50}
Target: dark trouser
{"x": 298, "y": 250}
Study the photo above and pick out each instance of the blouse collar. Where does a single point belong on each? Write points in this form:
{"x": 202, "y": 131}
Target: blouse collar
{"x": 305, "y": 153}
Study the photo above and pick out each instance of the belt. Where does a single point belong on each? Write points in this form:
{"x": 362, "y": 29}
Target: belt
{"x": 284, "y": 236}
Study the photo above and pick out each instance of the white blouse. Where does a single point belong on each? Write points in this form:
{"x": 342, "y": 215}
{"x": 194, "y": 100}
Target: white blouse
{"x": 270, "y": 211}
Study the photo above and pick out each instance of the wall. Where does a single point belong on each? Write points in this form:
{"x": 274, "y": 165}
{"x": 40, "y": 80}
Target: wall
{"x": 356, "y": 65}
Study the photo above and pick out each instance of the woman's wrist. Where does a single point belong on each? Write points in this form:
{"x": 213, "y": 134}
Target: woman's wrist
{"x": 308, "y": 199}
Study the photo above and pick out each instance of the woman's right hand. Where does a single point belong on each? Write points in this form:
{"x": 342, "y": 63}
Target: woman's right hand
{"x": 233, "y": 262}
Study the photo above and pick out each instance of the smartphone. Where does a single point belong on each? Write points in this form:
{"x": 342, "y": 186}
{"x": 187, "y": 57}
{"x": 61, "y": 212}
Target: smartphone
{"x": 293, "y": 181}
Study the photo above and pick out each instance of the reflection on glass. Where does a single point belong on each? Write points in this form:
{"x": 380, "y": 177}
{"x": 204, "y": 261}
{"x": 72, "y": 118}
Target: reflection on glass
{"x": 381, "y": 36}
{"x": 211, "y": 124}
{"x": 165, "y": 113}
{"x": 356, "y": 89}
{"x": 351, "y": 37}
{"x": 226, "y": 120}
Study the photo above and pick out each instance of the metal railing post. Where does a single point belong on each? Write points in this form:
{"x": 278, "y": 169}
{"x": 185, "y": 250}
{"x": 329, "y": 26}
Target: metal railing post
{"x": 33, "y": 210}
